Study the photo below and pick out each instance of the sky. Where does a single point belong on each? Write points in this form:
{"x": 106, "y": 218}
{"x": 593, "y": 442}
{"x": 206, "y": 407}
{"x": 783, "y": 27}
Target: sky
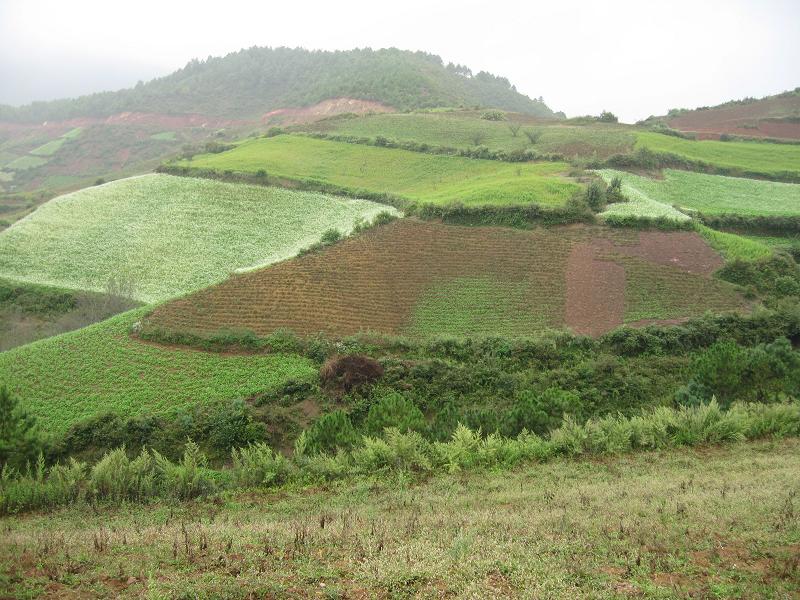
{"x": 632, "y": 57}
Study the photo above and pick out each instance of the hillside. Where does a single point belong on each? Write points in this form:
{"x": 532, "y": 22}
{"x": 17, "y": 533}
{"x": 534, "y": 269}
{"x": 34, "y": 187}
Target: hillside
{"x": 401, "y": 173}
{"x": 252, "y": 82}
{"x": 775, "y": 116}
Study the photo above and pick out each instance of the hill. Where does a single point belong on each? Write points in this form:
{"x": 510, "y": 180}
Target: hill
{"x": 773, "y": 116}
{"x": 401, "y": 173}
{"x": 426, "y": 280}
{"x": 166, "y": 235}
{"x": 252, "y": 82}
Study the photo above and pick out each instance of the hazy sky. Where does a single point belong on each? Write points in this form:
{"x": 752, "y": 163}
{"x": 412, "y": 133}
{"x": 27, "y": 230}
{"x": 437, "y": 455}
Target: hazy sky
{"x": 633, "y": 57}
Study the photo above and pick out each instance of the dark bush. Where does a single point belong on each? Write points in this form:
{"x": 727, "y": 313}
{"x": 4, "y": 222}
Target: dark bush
{"x": 344, "y": 373}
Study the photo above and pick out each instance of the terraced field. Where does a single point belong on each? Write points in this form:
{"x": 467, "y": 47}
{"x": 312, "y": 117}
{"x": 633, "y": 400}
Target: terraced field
{"x": 762, "y": 159}
{"x": 425, "y": 279}
{"x": 100, "y": 369}
{"x": 412, "y": 175}
{"x": 466, "y": 129}
{"x": 711, "y": 194}
{"x": 167, "y": 235}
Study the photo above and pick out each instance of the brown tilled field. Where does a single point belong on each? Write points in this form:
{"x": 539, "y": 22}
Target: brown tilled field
{"x": 424, "y": 279}
{"x": 774, "y": 117}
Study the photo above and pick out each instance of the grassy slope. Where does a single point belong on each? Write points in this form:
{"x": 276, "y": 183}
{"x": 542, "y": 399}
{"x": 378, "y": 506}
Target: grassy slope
{"x": 413, "y": 175}
{"x": 712, "y": 522}
{"x": 100, "y": 369}
{"x": 715, "y": 194}
{"x": 749, "y": 157}
{"x": 459, "y": 130}
{"x": 168, "y": 235}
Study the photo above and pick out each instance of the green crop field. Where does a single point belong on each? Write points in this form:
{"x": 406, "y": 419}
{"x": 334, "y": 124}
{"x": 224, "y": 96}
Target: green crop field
{"x": 732, "y": 245}
{"x": 49, "y": 148}
{"x": 164, "y": 136}
{"x": 413, "y": 175}
{"x": 755, "y": 158}
{"x": 26, "y": 162}
{"x": 167, "y": 235}
{"x": 465, "y": 130}
{"x": 639, "y": 204}
{"x": 100, "y": 369}
{"x": 73, "y": 133}
{"x": 712, "y": 194}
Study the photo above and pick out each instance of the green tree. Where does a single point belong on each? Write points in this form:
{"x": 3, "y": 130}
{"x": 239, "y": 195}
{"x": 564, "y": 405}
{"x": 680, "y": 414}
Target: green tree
{"x": 19, "y": 437}
{"x": 394, "y": 410}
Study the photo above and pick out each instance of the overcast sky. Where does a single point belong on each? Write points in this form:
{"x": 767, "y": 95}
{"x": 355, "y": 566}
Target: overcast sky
{"x": 633, "y": 57}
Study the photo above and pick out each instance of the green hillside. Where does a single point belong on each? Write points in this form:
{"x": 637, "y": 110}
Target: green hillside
{"x": 249, "y": 83}
{"x": 468, "y": 129}
{"x": 412, "y": 175}
{"x": 99, "y": 369}
{"x": 761, "y": 159}
{"x": 713, "y": 194}
{"x": 165, "y": 235}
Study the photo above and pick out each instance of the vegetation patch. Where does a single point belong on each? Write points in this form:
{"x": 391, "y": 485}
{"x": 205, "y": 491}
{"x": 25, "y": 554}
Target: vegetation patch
{"x": 167, "y": 235}
{"x": 415, "y": 176}
{"x": 100, "y": 369}
{"x": 428, "y": 279}
{"x": 466, "y": 129}
{"x": 711, "y": 194}
{"x": 759, "y": 159}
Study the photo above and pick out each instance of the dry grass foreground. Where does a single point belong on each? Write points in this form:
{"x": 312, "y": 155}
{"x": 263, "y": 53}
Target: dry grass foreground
{"x": 712, "y": 522}
{"x": 425, "y": 279}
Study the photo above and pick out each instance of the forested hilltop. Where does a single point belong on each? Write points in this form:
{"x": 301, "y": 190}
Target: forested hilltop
{"x": 247, "y": 83}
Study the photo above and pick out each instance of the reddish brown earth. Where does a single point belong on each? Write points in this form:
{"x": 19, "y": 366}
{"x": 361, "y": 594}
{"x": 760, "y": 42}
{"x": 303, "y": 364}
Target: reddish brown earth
{"x": 595, "y": 301}
{"x": 326, "y": 108}
{"x": 579, "y": 277}
{"x": 763, "y": 118}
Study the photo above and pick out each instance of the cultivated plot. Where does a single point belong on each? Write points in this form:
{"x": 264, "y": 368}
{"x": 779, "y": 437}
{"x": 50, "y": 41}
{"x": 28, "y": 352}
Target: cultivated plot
{"x": 165, "y": 235}
{"x": 425, "y": 279}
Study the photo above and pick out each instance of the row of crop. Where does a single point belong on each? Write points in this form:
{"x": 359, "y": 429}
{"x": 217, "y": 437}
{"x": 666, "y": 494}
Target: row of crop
{"x": 118, "y": 478}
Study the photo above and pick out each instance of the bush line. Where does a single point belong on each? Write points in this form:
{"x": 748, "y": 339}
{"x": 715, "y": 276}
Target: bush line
{"x": 116, "y": 478}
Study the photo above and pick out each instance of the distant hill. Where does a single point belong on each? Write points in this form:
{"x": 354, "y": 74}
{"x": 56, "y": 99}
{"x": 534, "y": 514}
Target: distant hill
{"x": 773, "y": 116}
{"x": 252, "y": 82}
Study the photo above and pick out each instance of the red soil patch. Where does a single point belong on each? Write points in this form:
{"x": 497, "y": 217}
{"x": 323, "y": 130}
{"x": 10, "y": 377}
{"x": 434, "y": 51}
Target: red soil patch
{"x": 326, "y": 108}
{"x": 567, "y": 276}
{"x": 764, "y": 118}
{"x": 595, "y": 300}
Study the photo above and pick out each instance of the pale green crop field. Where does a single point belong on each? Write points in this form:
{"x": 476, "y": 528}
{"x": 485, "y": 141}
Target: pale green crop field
{"x": 101, "y": 369}
{"x": 49, "y": 148}
{"x": 714, "y": 194}
{"x": 168, "y": 235}
{"x": 412, "y": 175}
{"x": 640, "y": 204}
{"x": 755, "y": 158}
{"x": 24, "y": 163}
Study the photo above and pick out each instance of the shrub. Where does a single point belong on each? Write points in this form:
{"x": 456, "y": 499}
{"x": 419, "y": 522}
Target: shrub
{"x": 257, "y": 465}
{"x": 394, "y": 410}
{"x": 493, "y": 115}
{"x": 342, "y": 374}
{"x": 533, "y": 135}
{"x": 116, "y": 478}
{"x": 330, "y": 432}
{"x": 20, "y": 441}
{"x": 608, "y": 117}
{"x": 331, "y": 236}
{"x": 539, "y": 413}
{"x": 190, "y": 478}
{"x": 596, "y": 196}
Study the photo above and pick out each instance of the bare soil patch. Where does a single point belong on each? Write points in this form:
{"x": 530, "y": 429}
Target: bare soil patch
{"x": 326, "y": 108}
{"x": 595, "y": 301}
{"x": 765, "y": 118}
